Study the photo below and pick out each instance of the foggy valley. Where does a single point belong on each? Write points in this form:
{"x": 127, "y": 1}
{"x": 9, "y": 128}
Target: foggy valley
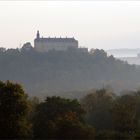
{"x": 70, "y": 70}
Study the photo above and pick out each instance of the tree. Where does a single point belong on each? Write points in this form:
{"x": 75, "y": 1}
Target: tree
{"x": 98, "y": 105}
{"x": 59, "y": 118}
{"x": 124, "y": 114}
{"x": 68, "y": 127}
{"x": 27, "y": 47}
{"x": 2, "y": 50}
{"x": 14, "y": 109}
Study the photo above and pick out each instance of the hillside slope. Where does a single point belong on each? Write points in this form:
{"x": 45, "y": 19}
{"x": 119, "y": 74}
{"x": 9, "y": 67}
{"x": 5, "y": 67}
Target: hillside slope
{"x": 58, "y": 71}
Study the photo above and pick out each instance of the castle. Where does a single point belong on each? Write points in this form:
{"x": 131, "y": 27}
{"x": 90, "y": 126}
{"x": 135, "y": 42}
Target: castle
{"x": 58, "y": 44}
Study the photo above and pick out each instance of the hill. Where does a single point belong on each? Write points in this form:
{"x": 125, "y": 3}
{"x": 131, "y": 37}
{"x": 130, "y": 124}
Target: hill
{"x": 124, "y": 52}
{"x": 56, "y": 72}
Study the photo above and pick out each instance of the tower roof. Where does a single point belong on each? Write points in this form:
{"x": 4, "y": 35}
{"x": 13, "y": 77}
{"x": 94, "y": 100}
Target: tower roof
{"x": 38, "y": 35}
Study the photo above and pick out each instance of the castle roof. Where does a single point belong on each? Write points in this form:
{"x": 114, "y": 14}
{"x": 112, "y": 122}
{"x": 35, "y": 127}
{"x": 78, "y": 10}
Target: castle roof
{"x": 56, "y": 39}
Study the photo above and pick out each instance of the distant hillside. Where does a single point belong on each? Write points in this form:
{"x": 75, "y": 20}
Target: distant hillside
{"x": 131, "y": 60}
{"x": 124, "y": 52}
{"x": 65, "y": 71}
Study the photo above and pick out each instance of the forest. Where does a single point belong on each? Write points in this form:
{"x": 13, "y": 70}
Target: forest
{"x": 99, "y": 115}
{"x": 68, "y": 95}
{"x": 66, "y": 72}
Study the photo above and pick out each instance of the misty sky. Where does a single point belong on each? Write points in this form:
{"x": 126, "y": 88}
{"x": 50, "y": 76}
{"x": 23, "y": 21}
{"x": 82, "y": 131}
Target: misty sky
{"x": 96, "y": 24}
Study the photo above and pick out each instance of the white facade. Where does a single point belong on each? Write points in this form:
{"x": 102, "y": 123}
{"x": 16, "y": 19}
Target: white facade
{"x": 58, "y": 44}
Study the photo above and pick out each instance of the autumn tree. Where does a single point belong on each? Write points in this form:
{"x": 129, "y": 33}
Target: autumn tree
{"x": 59, "y": 118}
{"x": 14, "y": 109}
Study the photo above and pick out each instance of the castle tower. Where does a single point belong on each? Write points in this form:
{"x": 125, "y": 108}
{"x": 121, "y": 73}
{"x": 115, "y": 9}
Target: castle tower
{"x": 37, "y": 35}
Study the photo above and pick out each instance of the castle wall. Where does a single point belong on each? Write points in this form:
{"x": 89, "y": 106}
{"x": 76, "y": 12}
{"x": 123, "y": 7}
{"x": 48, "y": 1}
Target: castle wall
{"x": 44, "y": 46}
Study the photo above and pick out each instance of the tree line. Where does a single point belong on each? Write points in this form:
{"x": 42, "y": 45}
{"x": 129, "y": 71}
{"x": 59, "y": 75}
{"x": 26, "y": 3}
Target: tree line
{"x": 98, "y": 115}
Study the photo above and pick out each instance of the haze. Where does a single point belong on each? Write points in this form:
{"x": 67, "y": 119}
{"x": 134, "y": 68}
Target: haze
{"x": 94, "y": 24}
